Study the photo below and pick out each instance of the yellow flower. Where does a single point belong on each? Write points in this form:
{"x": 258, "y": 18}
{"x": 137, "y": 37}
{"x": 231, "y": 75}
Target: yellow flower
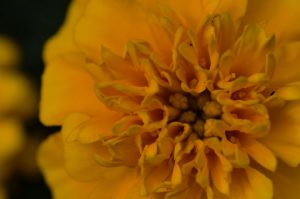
{"x": 16, "y": 103}
{"x": 174, "y": 99}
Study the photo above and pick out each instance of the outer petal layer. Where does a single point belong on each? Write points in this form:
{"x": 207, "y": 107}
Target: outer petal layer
{"x": 63, "y": 42}
{"x": 286, "y": 182}
{"x": 51, "y": 161}
{"x": 284, "y": 138}
{"x": 98, "y": 24}
{"x": 278, "y": 16}
{"x": 69, "y": 90}
{"x": 249, "y": 184}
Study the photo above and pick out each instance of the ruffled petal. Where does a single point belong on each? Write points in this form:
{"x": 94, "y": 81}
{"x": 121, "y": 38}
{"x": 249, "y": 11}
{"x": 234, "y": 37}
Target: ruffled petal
{"x": 63, "y": 42}
{"x": 193, "y": 191}
{"x": 81, "y": 163}
{"x": 87, "y": 156}
{"x": 97, "y": 27}
{"x": 85, "y": 151}
{"x": 127, "y": 187}
{"x": 85, "y": 129}
{"x": 67, "y": 88}
{"x": 51, "y": 162}
{"x": 196, "y": 10}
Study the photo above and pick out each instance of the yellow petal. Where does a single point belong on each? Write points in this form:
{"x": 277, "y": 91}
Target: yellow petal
{"x": 260, "y": 153}
{"x": 278, "y": 17}
{"x": 196, "y": 10}
{"x": 81, "y": 162}
{"x": 124, "y": 150}
{"x": 286, "y": 182}
{"x": 260, "y": 184}
{"x": 220, "y": 172}
{"x": 236, "y": 10}
{"x": 154, "y": 176}
{"x": 253, "y": 45}
{"x": 127, "y": 125}
{"x": 176, "y": 175}
{"x": 63, "y": 42}
{"x": 252, "y": 119}
{"x": 249, "y": 184}
{"x": 82, "y": 136}
{"x": 97, "y": 27}
{"x": 193, "y": 191}
{"x": 128, "y": 186}
{"x": 51, "y": 162}
{"x": 67, "y": 88}
{"x": 287, "y": 65}
{"x": 290, "y": 91}
{"x": 85, "y": 129}
{"x": 284, "y": 136}
{"x": 189, "y": 13}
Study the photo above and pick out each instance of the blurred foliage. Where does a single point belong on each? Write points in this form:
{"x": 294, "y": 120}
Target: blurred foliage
{"x": 30, "y": 23}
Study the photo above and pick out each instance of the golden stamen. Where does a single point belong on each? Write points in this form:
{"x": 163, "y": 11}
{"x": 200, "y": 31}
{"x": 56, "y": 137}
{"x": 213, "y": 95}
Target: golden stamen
{"x": 188, "y": 117}
{"x": 212, "y": 109}
{"x": 173, "y": 113}
{"x": 198, "y": 127}
{"x": 202, "y": 100}
{"x": 179, "y": 101}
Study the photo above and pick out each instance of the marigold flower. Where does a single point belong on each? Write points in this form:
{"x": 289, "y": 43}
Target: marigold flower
{"x": 173, "y": 99}
{"x": 16, "y": 103}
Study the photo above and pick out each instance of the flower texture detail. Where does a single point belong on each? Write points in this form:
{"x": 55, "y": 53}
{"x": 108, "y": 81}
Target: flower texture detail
{"x": 173, "y": 100}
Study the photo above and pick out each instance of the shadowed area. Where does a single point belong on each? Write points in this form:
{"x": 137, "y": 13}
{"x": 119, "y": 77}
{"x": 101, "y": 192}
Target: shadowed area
{"x": 30, "y": 23}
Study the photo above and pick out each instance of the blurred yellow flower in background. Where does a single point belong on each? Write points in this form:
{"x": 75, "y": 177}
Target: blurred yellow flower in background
{"x": 174, "y": 99}
{"x": 9, "y": 53}
{"x": 17, "y": 102}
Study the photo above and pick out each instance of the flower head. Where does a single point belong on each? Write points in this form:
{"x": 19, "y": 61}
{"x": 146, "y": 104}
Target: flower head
{"x": 176, "y": 100}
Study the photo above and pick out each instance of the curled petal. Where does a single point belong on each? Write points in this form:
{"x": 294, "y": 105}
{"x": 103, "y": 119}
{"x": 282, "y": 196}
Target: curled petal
{"x": 51, "y": 161}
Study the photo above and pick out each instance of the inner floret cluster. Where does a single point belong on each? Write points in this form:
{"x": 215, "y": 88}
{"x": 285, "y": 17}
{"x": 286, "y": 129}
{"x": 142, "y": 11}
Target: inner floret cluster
{"x": 193, "y": 110}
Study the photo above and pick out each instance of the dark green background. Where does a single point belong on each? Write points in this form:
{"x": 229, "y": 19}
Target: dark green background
{"x": 30, "y": 23}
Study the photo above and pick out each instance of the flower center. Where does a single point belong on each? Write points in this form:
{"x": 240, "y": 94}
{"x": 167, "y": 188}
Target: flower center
{"x": 193, "y": 110}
